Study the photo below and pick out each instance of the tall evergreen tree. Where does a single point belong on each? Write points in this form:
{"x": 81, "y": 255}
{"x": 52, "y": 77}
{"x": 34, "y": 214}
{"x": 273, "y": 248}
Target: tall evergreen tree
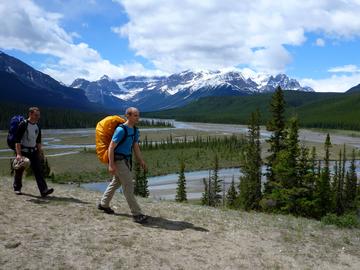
{"x": 181, "y": 185}
{"x": 144, "y": 192}
{"x": 313, "y": 160}
{"x": 323, "y": 192}
{"x": 338, "y": 183}
{"x": 313, "y": 171}
{"x": 285, "y": 167}
{"x": 216, "y": 189}
{"x": 289, "y": 193}
{"x": 205, "y": 195}
{"x": 250, "y": 181}
{"x": 351, "y": 184}
{"x": 231, "y": 195}
{"x": 277, "y": 126}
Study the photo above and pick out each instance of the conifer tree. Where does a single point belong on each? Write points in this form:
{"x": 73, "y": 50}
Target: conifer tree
{"x": 250, "y": 181}
{"x": 144, "y": 192}
{"x": 141, "y": 183}
{"x": 205, "y": 195}
{"x": 285, "y": 167}
{"x": 231, "y": 195}
{"x": 137, "y": 186}
{"x": 277, "y": 126}
{"x": 313, "y": 160}
{"x": 351, "y": 184}
{"x": 216, "y": 189}
{"x": 335, "y": 181}
{"x": 306, "y": 168}
{"x": 323, "y": 192}
{"x": 339, "y": 180}
{"x": 181, "y": 185}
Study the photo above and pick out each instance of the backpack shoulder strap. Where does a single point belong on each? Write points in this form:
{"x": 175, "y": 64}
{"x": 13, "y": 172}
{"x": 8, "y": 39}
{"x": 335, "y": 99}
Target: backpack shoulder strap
{"x": 136, "y": 132}
{"x": 21, "y": 130}
{"x": 123, "y": 138}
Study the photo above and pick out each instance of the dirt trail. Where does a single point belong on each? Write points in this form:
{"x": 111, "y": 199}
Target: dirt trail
{"x": 66, "y": 231}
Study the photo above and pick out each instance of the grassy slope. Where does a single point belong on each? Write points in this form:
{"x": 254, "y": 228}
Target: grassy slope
{"x": 66, "y": 231}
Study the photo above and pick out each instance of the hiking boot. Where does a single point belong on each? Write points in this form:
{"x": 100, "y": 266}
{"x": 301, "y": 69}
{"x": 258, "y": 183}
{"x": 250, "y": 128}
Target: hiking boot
{"x": 140, "y": 218}
{"x": 47, "y": 192}
{"x": 18, "y": 192}
{"x": 107, "y": 210}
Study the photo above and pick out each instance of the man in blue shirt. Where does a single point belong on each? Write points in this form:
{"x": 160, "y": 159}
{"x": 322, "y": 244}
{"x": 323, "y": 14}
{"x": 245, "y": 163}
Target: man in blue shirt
{"x": 120, "y": 167}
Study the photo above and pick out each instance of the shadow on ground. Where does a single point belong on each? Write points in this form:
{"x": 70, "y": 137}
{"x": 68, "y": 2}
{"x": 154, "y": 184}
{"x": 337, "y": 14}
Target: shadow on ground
{"x": 167, "y": 224}
{"x": 49, "y": 199}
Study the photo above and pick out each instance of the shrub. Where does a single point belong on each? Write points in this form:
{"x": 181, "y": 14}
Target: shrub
{"x": 350, "y": 220}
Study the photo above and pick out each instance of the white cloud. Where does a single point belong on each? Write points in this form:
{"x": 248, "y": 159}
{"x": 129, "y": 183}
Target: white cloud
{"x": 345, "y": 69}
{"x": 342, "y": 79}
{"x": 177, "y": 35}
{"x": 334, "y": 83}
{"x": 320, "y": 42}
{"x": 27, "y": 27}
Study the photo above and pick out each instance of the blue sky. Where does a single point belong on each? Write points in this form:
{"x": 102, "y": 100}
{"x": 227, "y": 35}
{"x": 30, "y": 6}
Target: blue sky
{"x": 316, "y": 42}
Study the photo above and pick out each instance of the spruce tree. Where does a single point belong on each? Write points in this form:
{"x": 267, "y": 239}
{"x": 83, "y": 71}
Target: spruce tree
{"x": 276, "y": 142}
{"x": 144, "y": 192}
{"x": 216, "y": 189}
{"x": 250, "y": 181}
{"x": 323, "y": 192}
{"x": 181, "y": 185}
{"x": 141, "y": 183}
{"x": 313, "y": 170}
{"x": 351, "y": 184}
{"x": 231, "y": 195}
{"x": 307, "y": 179}
{"x": 137, "y": 186}
{"x": 205, "y": 195}
{"x": 313, "y": 160}
{"x": 339, "y": 204}
{"x": 285, "y": 167}
{"x": 289, "y": 195}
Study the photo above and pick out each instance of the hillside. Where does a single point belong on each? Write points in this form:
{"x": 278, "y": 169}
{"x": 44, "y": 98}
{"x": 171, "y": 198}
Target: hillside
{"x": 355, "y": 89}
{"x": 328, "y": 110}
{"x": 66, "y": 231}
{"x": 339, "y": 112}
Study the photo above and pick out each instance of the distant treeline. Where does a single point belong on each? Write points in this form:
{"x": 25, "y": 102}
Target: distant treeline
{"x": 218, "y": 144}
{"x": 155, "y": 123}
{"x": 314, "y": 110}
{"x": 63, "y": 118}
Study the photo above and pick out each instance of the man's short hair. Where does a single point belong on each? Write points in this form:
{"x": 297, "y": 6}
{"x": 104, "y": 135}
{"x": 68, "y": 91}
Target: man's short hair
{"x": 33, "y": 109}
{"x": 130, "y": 110}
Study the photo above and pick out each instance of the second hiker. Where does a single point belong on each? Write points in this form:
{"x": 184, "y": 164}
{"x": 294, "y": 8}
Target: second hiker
{"x": 124, "y": 141}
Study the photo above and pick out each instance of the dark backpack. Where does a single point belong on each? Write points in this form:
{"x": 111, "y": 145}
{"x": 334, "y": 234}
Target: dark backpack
{"x": 14, "y": 125}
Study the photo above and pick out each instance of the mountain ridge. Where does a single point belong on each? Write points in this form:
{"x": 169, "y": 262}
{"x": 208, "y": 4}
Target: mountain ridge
{"x": 179, "y": 89}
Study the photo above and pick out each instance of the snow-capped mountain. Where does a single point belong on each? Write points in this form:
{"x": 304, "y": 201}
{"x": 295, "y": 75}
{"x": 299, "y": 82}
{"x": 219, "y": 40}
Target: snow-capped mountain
{"x": 154, "y": 93}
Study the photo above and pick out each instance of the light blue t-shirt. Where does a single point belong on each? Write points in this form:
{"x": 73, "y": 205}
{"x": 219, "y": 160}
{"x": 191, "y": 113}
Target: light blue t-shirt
{"x": 125, "y": 148}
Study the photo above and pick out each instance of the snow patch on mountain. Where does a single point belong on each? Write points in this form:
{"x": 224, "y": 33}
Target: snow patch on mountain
{"x": 10, "y": 70}
{"x": 129, "y": 95}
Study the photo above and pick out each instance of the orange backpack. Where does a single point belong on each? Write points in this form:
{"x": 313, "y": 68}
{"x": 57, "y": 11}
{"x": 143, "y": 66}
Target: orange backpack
{"x": 104, "y": 132}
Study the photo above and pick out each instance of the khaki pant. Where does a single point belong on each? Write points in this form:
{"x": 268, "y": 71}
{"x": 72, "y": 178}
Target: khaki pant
{"x": 123, "y": 176}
